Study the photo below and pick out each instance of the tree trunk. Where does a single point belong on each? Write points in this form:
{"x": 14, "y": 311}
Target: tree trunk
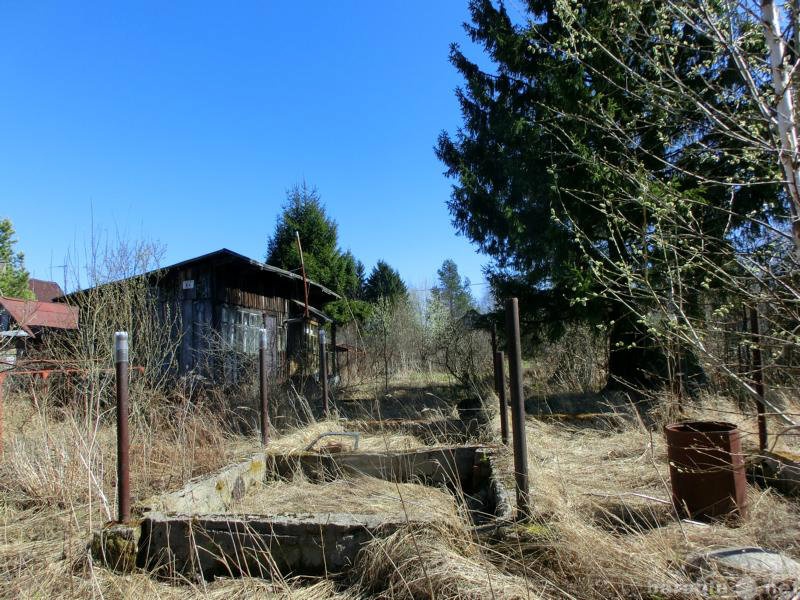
{"x": 784, "y": 110}
{"x": 634, "y": 362}
{"x": 637, "y": 362}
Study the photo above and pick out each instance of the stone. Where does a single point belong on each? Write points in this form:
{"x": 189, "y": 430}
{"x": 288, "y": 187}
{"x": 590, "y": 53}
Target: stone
{"x": 781, "y": 470}
{"x": 754, "y": 562}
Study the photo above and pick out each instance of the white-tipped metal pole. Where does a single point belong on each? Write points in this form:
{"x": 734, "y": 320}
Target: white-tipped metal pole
{"x": 123, "y": 440}
{"x": 262, "y": 385}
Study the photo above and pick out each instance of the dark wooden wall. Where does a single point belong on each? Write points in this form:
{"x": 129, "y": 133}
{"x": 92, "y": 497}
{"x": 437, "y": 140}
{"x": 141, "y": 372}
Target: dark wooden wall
{"x": 207, "y": 294}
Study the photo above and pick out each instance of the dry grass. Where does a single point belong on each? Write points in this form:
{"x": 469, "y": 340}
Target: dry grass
{"x": 57, "y": 483}
{"x": 298, "y": 439}
{"x": 603, "y": 526}
{"x": 354, "y": 495}
{"x": 436, "y": 563}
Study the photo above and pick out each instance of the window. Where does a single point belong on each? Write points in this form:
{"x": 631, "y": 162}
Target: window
{"x": 241, "y": 328}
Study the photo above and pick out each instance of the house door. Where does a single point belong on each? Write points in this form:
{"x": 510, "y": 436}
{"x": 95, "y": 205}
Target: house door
{"x": 271, "y": 325}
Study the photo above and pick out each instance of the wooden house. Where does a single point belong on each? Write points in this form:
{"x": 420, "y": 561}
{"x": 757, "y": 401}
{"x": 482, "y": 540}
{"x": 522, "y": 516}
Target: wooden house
{"x": 223, "y": 299}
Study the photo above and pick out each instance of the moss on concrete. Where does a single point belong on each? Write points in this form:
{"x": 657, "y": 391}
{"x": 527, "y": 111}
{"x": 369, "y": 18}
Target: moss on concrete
{"x": 116, "y": 546}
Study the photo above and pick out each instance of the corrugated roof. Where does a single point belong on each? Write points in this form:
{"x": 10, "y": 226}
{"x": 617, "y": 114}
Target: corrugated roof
{"x": 45, "y": 291}
{"x": 30, "y": 313}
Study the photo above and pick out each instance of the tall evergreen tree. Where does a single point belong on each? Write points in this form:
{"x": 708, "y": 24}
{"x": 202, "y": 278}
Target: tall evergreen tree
{"x": 325, "y": 263}
{"x": 575, "y": 96}
{"x": 13, "y": 275}
{"x": 451, "y": 291}
{"x": 384, "y": 282}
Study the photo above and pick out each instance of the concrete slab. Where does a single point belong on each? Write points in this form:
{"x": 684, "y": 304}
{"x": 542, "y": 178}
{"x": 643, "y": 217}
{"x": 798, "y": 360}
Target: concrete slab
{"x": 215, "y": 492}
{"x": 782, "y": 471}
{"x": 258, "y": 545}
{"x": 439, "y": 466}
{"x": 187, "y": 532}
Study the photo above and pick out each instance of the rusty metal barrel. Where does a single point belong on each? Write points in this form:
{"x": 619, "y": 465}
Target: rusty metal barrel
{"x": 706, "y": 469}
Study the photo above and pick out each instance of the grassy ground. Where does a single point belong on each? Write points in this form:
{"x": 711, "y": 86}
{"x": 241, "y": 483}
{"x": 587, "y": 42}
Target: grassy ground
{"x": 602, "y": 525}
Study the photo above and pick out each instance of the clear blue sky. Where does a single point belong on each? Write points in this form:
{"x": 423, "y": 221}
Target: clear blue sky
{"x": 186, "y": 123}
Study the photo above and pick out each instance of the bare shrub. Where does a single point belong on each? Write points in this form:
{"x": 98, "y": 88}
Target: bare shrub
{"x": 575, "y": 363}
{"x": 391, "y": 336}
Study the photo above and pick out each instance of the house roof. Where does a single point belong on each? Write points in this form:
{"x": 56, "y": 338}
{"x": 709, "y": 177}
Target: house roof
{"x": 45, "y": 291}
{"x": 313, "y": 311}
{"x": 225, "y": 254}
{"x": 30, "y": 314}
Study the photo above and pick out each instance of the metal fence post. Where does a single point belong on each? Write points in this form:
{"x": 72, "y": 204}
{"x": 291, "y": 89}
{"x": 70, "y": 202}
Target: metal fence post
{"x": 323, "y": 372}
{"x": 262, "y": 386}
{"x": 2, "y": 416}
{"x": 517, "y": 408}
{"x": 493, "y": 332}
{"x": 123, "y": 441}
{"x": 758, "y": 379}
{"x": 500, "y": 384}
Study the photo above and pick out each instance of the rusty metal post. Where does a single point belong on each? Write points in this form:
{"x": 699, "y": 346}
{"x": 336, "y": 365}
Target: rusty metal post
{"x": 335, "y": 366}
{"x": 514, "y": 347}
{"x": 2, "y": 416}
{"x": 500, "y": 382}
{"x": 262, "y": 385}
{"x": 123, "y": 441}
{"x": 494, "y": 360}
{"x": 758, "y": 379}
{"x": 323, "y": 372}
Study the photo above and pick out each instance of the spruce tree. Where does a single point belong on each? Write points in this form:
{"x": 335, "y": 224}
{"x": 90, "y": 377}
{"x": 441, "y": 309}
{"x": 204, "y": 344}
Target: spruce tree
{"x": 13, "y": 275}
{"x": 576, "y": 104}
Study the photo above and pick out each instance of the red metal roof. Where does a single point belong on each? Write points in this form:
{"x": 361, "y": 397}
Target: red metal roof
{"x": 30, "y": 313}
{"x": 45, "y": 291}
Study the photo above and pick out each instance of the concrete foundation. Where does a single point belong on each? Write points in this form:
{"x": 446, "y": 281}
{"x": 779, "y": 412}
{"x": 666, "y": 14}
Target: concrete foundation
{"x": 781, "y": 471}
{"x": 188, "y": 532}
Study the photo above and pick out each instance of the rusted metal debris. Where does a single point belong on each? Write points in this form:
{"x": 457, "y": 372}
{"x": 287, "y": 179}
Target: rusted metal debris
{"x": 352, "y": 434}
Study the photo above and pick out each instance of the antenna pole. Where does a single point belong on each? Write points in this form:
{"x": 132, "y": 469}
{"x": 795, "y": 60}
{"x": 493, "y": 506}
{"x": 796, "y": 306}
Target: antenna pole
{"x": 303, "y": 269}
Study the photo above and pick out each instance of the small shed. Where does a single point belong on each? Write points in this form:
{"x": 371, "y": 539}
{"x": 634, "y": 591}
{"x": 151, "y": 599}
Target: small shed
{"x": 25, "y": 322}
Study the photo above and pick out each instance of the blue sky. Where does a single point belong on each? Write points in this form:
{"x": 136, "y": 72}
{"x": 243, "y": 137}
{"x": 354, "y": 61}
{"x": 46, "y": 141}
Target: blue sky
{"x": 187, "y": 122}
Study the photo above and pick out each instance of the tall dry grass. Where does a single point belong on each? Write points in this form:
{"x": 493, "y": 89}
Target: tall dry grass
{"x": 603, "y": 524}
{"x": 602, "y": 528}
{"x": 58, "y": 480}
